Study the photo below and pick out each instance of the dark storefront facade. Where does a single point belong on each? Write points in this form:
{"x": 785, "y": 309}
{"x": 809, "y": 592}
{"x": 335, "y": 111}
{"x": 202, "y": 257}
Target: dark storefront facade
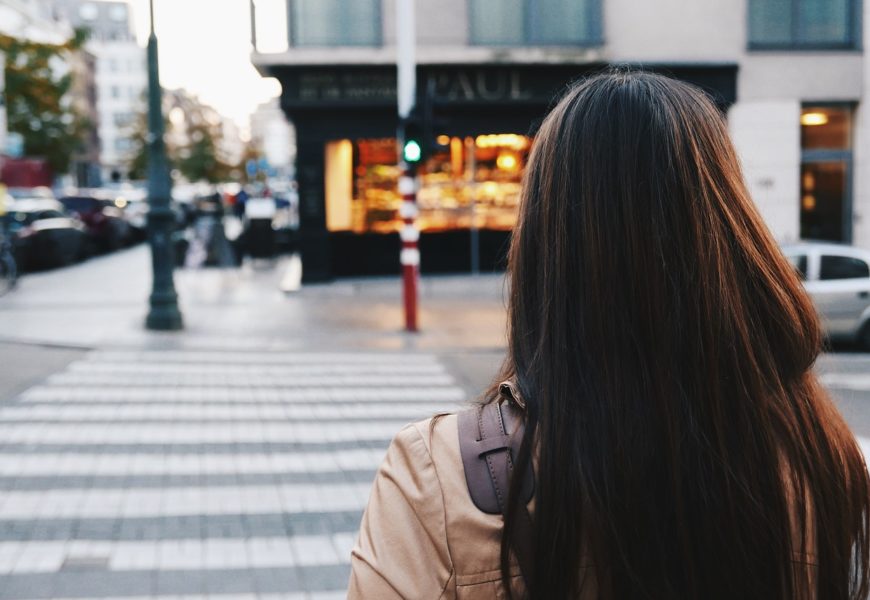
{"x": 486, "y": 116}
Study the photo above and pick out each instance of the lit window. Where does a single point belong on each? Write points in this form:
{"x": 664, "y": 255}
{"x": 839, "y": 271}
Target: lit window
{"x": 825, "y": 179}
{"x": 466, "y": 183}
{"x": 826, "y": 128}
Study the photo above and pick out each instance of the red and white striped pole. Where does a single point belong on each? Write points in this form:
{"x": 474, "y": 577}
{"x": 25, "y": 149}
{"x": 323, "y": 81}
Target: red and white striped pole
{"x": 410, "y": 254}
{"x": 406, "y": 92}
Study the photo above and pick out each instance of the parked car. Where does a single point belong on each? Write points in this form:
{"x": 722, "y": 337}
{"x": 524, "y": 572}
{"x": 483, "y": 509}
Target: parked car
{"x": 132, "y": 200}
{"x": 136, "y": 214}
{"x": 30, "y": 193}
{"x": 837, "y": 277}
{"x": 43, "y": 235}
{"x": 105, "y": 222}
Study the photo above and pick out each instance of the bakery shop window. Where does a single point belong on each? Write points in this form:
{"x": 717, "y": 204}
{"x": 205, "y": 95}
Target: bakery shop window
{"x": 471, "y": 182}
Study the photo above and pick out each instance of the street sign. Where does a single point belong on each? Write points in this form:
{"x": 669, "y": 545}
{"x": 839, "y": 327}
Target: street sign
{"x": 14, "y": 145}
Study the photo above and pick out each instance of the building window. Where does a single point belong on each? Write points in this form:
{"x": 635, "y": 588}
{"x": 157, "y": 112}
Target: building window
{"x": 803, "y": 24}
{"x": 89, "y": 12}
{"x": 535, "y": 22}
{"x": 118, "y": 12}
{"x": 826, "y": 173}
{"x": 471, "y": 182}
{"x": 123, "y": 144}
{"x": 123, "y": 119}
{"x": 335, "y": 23}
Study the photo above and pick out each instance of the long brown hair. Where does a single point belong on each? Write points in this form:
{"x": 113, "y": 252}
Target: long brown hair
{"x": 664, "y": 349}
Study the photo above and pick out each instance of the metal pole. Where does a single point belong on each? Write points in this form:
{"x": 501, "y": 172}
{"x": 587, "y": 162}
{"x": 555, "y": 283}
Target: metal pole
{"x": 471, "y": 177}
{"x": 406, "y": 61}
{"x": 253, "y": 25}
{"x": 163, "y": 314}
{"x": 406, "y": 66}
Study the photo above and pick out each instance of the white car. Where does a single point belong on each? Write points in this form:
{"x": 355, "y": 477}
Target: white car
{"x": 837, "y": 278}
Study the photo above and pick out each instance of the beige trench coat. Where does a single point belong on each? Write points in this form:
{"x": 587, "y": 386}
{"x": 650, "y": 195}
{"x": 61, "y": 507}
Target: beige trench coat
{"x": 421, "y": 536}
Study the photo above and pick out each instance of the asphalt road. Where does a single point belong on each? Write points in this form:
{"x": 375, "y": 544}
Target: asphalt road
{"x": 53, "y": 317}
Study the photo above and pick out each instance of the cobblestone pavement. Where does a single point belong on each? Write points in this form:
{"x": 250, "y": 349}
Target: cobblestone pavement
{"x": 200, "y": 474}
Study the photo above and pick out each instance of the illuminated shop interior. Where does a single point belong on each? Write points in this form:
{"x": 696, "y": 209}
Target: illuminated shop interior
{"x": 826, "y": 161}
{"x": 471, "y": 182}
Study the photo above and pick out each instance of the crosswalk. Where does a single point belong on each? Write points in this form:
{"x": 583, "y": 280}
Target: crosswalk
{"x": 200, "y": 474}
{"x": 193, "y": 474}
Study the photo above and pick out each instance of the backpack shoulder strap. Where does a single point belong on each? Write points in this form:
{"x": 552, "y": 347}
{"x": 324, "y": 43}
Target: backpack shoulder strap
{"x": 489, "y": 441}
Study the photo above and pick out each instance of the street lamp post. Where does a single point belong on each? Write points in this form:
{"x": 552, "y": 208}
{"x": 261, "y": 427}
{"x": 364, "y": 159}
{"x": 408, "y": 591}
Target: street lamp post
{"x": 163, "y": 313}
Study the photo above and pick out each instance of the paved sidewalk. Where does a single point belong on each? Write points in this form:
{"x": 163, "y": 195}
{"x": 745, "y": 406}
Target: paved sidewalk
{"x": 103, "y": 302}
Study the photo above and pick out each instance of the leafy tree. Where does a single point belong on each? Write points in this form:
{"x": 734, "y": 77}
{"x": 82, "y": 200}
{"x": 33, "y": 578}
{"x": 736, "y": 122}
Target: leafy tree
{"x": 199, "y": 158}
{"x": 138, "y": 165}
{"x": 138, "y": 136}
{"x": 37, "y": 102}
{"x": 191, "y": 142}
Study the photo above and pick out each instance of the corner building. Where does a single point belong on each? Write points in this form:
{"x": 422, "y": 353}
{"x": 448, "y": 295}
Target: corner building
{"x": 790, "y": 75}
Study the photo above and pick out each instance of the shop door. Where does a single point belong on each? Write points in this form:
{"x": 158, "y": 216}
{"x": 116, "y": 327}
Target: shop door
{"x": 826, "y": 211}
{"x": 826, "y": 178}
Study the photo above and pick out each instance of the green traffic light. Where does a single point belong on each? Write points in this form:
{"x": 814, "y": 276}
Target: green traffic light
{"x": 412, "y": 151}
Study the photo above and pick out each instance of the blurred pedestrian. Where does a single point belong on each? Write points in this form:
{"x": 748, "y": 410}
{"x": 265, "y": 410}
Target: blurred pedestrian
{"x": 239, "y": 204}
{"x": 658, "y": 377}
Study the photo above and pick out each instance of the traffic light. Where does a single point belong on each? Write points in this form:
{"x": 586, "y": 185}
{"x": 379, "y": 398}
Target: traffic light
{"x": 411, "y": 137}
{"x": 412, "y": 152}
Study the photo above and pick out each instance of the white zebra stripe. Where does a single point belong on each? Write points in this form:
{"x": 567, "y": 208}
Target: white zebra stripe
{"x": 260, "y": 358}
{"x": 185, "y": 554}
{"x": 217, "y": 412}
{"x": 335, "y": 595}
{"x": 198, "y": 433}
{"x": 164, "y": 368}
{"x": 126, "y": 503}
{"x": 211, "y": 394}
{"x": 846, "y": 381}
{"x": 105, "y": 464}
{"x": 69, "y": 378}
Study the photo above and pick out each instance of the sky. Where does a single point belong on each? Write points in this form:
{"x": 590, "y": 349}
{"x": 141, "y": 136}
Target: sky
{"x": 204, "y": 47}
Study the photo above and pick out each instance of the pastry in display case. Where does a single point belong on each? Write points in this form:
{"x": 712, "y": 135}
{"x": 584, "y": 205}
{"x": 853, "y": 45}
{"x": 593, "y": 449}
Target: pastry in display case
{"x": 473, "y": 183}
